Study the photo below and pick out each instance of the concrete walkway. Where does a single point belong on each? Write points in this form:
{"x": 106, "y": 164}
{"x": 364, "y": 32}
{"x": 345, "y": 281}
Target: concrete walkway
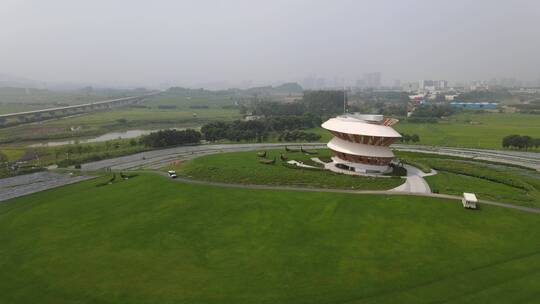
{"x": 415, "y": 181}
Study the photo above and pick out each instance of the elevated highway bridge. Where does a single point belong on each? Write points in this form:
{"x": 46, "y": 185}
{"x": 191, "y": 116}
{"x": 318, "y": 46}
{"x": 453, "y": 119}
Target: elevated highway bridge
{"x": 57, "y": 112}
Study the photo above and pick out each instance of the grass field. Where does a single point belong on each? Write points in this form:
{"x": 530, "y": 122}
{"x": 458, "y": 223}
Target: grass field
{"x": 467, "y": 130}
{"x": 120, "y": 119}
{"x": 474, "y": 130}
{"x": 451, "y": 183}
{"x": 489, "y": 181}
{"x": 28, "y": 99}
{"x": 244, "y": 168}
{"x": 152, "y": 240}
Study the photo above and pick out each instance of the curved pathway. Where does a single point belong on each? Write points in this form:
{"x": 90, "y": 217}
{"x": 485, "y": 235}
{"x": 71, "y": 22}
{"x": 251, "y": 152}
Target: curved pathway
{"x": 305, "y": 189}
{"x": 159, "y": 158}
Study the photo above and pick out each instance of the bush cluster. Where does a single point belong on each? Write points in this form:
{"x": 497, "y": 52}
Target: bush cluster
{"x": 409, "y": 137}
{"x": 520, "y": 142}
{"x": 171, "y": 137}
{"x": 257, "y": 129}
{"x": 298, "y": 135}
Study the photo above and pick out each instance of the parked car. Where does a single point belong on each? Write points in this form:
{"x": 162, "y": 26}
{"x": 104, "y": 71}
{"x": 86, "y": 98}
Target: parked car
{"x": 172, "y": 174}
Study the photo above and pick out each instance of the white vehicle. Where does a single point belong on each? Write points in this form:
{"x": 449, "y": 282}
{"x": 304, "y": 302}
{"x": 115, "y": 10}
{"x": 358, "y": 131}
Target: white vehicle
{"x": 172, "y": 174}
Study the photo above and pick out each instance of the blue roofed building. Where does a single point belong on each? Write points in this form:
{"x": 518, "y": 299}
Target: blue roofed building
{"x": 474, "y": 105}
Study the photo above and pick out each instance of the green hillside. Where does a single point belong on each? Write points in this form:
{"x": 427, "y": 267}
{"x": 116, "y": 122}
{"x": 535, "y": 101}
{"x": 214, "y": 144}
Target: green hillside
{"x": 153, "y": 240}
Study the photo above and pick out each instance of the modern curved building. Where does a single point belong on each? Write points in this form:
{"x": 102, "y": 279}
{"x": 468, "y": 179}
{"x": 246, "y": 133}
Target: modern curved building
{"x": 361, "y": 142}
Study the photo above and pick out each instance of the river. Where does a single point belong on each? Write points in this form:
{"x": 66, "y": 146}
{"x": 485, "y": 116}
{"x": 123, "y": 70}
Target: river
{"x": 101, "y": 138}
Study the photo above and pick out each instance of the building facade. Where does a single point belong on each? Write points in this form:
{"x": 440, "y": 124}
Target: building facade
{"x": 361, "y": 142}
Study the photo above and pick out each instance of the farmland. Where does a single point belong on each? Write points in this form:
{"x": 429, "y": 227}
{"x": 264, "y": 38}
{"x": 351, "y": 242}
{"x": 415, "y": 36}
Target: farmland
{"x": 468, "y": 130}
{"x": 147, "y": 117}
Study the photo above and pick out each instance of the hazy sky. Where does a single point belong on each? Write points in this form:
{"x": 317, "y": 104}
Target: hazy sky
{"x": 187, "y": 42}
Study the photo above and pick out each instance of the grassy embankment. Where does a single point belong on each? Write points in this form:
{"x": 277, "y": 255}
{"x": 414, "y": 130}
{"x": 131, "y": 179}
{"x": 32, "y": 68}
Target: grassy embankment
{"x": 154, "y": 116}
{"x": 245, "y": 168}
{"x": 28, "y": 99}
{"x": 149, "y": 239}
{"x": 489, "y": 181}
{"x": 118, "y": 119}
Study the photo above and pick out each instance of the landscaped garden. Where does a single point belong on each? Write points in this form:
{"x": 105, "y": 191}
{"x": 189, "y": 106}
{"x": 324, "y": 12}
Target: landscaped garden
{"x": 250, "y": 168}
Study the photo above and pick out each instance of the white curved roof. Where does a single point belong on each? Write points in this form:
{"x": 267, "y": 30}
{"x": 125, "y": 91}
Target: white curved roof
{"x": 348, "y": 147}
{"x": 352, "y": 125}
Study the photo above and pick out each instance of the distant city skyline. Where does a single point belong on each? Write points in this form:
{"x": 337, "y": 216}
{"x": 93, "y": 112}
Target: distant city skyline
{"x": 311, "y": 81}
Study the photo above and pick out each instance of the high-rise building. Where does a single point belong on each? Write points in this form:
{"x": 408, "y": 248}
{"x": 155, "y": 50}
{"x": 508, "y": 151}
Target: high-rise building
{"x": 432, "y": 85}
{"x": 372, "y": 80}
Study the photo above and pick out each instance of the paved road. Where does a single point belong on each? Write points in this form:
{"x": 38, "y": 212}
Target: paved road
{"x": 159, "y": 158}
{"x": 525, "y": 159}
{"x": 30, "y": 183}
{"x": 79, "y": 106}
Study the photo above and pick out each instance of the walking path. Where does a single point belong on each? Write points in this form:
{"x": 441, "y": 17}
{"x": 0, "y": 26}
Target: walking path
{"x": 384, "y": 192}
{"x": 415, "y": 184}
{"x": 415, "y": 181}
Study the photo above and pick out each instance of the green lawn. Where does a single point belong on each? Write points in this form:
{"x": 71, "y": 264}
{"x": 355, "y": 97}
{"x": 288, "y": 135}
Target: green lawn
{"x": 152, "y": 240}
{"x": 244, "y": 168}
{"x": 104, "y": 122}
{"x": 467, "y": 130}
{"x": 489, "y": 181}
{"x": 474, "y": 130}
{"x": 451, "y": 183}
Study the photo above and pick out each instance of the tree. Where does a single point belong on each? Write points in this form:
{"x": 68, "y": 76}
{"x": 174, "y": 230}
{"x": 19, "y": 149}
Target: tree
{"x": 519, "y": 142}
{"x": 405, "y": 138}
{"x": 415, "y": 138}
{"x": 536, "y": 142}
{"x": 171, "y": 137}
{"x": 324, "y": 102}
{"x": 3, "y": 158}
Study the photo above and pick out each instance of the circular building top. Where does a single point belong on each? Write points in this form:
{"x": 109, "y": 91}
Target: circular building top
{"x": 360, "y": 124}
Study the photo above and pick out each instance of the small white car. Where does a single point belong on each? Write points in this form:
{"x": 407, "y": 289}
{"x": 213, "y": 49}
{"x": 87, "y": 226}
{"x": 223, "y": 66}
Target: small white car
{"x": 172, "y": 174}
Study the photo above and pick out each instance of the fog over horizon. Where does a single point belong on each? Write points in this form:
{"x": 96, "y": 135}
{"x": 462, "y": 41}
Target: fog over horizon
{"x": 238, "y": 41}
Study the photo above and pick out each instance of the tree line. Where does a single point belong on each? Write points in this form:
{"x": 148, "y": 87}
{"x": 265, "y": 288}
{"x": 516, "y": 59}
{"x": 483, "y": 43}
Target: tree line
{"x": 259, "y": 130}
{"x": 319, "y": 103}
{"x": 520, "y": 142}
{"x": 171, "y": 137}
{"x": 298, "y": 135}
{"x": 433, "y": 111}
